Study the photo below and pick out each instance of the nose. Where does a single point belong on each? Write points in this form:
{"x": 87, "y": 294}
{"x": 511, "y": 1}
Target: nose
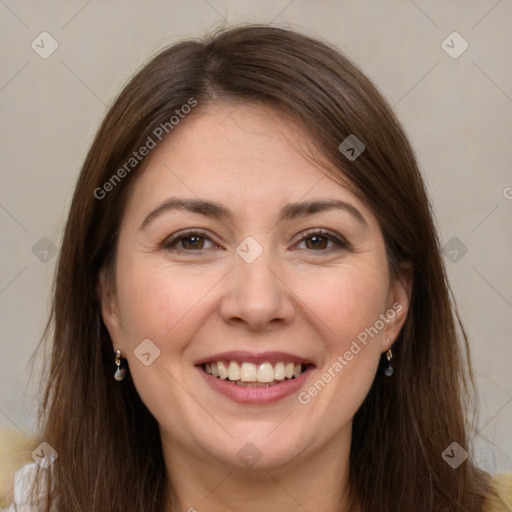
{"x": 257, "y": 296}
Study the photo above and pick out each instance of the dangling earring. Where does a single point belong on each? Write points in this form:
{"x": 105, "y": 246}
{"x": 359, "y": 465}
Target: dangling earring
{"x": 388, "y": 369}
{"x": 120, "y": 372}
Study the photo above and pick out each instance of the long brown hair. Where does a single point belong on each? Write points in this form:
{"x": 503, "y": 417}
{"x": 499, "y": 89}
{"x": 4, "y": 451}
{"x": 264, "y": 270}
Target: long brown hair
{"x": 110, "y": 456}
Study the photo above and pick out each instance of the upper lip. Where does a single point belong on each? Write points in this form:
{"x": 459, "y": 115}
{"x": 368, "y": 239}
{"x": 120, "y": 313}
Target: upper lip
{"x": 254, "y": 357}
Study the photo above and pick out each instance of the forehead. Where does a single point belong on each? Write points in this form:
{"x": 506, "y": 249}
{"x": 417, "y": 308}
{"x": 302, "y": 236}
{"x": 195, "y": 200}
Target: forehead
{"x": 248, "y": 156}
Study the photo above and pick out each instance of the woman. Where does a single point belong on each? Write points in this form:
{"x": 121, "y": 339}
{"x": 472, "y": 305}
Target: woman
{"x": 251, "y": 311}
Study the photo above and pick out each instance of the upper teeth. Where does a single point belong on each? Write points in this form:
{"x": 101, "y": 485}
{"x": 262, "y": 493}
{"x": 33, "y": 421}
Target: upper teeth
{"x": 250, "y": 372}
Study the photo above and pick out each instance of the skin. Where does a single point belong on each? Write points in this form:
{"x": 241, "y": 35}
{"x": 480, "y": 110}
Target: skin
{"x": 299, "y": 297}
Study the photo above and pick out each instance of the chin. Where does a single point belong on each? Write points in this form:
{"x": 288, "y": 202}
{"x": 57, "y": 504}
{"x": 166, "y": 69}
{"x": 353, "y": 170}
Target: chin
{"x": 256, "y": 450}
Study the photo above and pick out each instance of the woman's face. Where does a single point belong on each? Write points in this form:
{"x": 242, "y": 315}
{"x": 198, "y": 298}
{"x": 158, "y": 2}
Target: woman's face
{"x": 284, "y": 271}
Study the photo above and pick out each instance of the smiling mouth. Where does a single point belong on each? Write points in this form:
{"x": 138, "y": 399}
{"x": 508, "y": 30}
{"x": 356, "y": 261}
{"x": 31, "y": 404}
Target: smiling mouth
{"x": 255, "y": 375}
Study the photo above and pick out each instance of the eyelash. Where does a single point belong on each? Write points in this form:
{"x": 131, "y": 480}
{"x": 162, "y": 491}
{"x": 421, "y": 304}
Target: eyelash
{"x": 173, "y": 240}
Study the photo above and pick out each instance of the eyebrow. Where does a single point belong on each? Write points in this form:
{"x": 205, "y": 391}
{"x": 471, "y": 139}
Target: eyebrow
{"x": 217, "y": 211}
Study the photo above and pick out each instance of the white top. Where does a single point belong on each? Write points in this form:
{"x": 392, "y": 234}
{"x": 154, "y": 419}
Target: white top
{"x": 23, "y": 480}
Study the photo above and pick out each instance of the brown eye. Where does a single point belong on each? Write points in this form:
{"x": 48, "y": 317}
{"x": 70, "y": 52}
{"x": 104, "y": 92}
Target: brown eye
{"x": 187, "y": 242}
{"x": 316, "y": 242}
{"x": 323, "y": 241}
{"x": 193, "y": 242}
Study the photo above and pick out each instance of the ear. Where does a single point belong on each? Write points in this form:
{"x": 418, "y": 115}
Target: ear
{"x": 398, "y": 304}
{"x": 109, "y": 306}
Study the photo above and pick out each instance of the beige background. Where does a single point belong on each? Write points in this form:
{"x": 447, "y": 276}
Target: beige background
{"x": 457, "y": 113}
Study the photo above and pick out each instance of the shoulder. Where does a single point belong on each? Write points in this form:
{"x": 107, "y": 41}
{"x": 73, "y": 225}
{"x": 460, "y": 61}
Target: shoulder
{"x": 502, "y": 482}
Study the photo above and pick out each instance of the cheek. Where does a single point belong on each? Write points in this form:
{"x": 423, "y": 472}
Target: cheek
{"x": 158, "y": 303}
{"x": 344, "y": 302}
{"x": 343, "y": 309}
{"x": 168, "y": 307}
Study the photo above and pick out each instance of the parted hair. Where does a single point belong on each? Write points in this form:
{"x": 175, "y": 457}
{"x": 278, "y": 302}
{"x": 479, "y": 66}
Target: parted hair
{"x": 110, "y": 454}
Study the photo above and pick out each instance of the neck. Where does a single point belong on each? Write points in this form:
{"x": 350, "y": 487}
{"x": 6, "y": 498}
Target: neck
{"x": 317, "y": 481}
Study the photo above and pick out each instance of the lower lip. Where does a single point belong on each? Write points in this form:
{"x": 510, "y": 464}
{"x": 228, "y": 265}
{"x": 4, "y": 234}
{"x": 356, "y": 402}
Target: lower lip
{"x": 256, "y": 395}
